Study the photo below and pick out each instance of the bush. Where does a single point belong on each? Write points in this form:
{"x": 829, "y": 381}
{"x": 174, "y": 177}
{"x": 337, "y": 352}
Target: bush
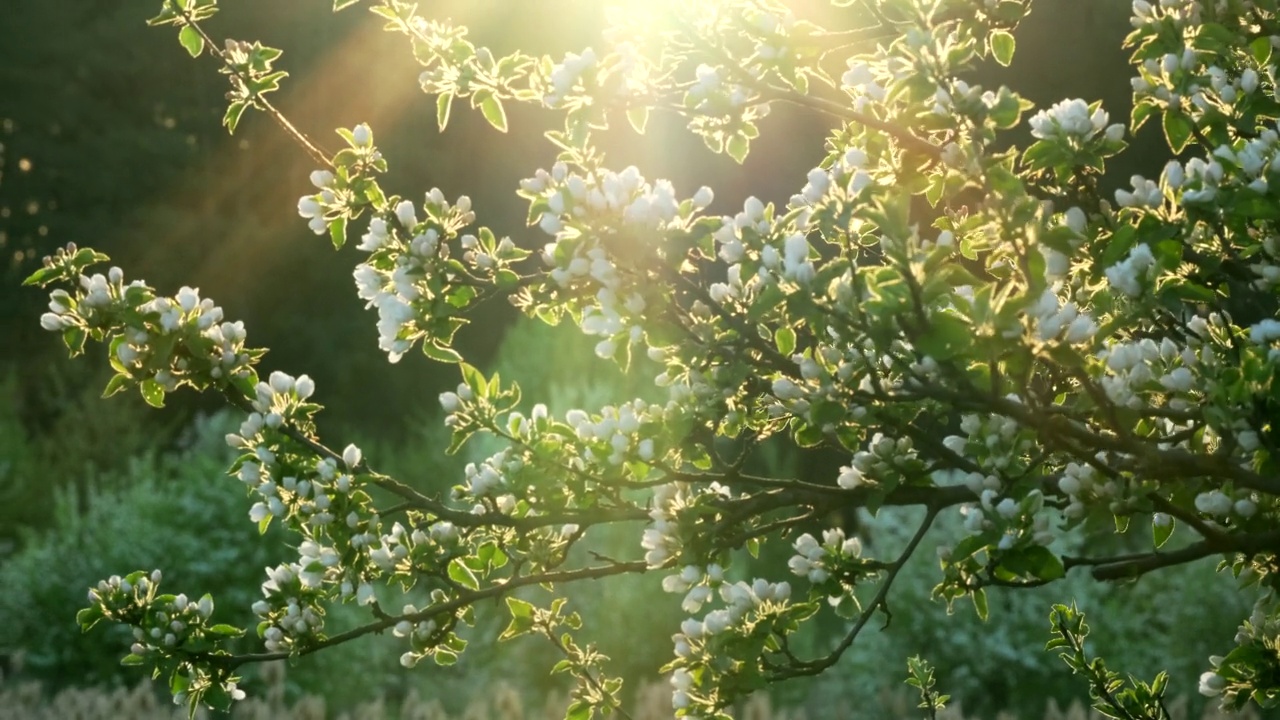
{"x": 176, "y": 510}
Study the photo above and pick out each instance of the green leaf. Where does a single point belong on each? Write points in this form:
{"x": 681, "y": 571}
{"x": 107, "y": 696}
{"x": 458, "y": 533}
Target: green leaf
{"x": 191, "y": 40}
{"x": 579, "y": 710}
{"x": 979, "y": 598}
{"x": 43, "y": 276}
{"x": 440, "y": 353}
{"x": 1002, "y": 46}
{"x": 737, "y": 147}
{"x": 1037, "y": 560}
{"x": 462, "y": 575}
{"x": 343, "y": 4}
{"x": 116, "y": 384}
{"x": 338, "y": 232}
{"x": 152, "y": 392}
{"x": 444, "y": 103}
{"x": 1160, "y": 534}
{"x": 1261, "y": 50}
{"x": 491, "y": 108}
{"x": 947, "y": 337}
{"x": 639, "y": 118}
{"x": 132, "y": 659}
{"x": 785, "y": 339}
{"x": 88, "y": 617}
{"x": 234, "y": 111}
{"x": 1141, "y": 112}
{"x": 74, "y": 338}
{"x": 520, "y": 608}
{"x": 1177, "y": 130}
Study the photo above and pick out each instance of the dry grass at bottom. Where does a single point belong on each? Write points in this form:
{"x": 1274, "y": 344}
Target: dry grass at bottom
{"x": 28, "y": 701}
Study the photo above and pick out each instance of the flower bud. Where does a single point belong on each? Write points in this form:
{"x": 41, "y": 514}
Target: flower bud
{"x": 362, "y": 136}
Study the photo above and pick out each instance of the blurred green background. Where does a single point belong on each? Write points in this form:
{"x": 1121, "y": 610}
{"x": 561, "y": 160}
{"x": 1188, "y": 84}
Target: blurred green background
{"x": 110, "y": 136}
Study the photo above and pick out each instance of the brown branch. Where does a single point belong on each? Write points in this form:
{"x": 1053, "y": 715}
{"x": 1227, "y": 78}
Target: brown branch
{"x": 449, "y": 606}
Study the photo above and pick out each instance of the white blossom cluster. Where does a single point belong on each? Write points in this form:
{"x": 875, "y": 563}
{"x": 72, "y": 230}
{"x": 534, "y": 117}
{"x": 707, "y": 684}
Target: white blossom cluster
{"x": 103, "y": 296}
{"x": 883, "y": 459}
{"x": 1081, "y": 484}
{"x": 1220, "y": 505}
{"x": 619, "y": 429}
{"x": 1051, "y": 314}
{"x": 1129, "y": 275}
{"x": 663, "y": 541}
{"x": 594, "y": 205}
{"x": 311, "y": 497}
{"x": 846, "y": 177}
{"x": 295, "y": 620}
{"x": 1012, "y": 515}
{"x": 1182, "y": 12}
{"x": 420, "y": 634}
{"x": 1177, "y": 78}
{"x": 1145, "y": 194}
{"x": 171, "y": 622}
{"x": 1051, "y": 318}
{"x": 860, "y": 81}
{"x": 1131, "y": 366}
{"x": 1260, "y": 630}
{"x": 492, "y": 479}
{"x": 569, "y": 75}
{"x": 312, "y": 208}
{"x": 710, "y": 94}
{"x": 1072, "y": 121}
{"x": 698, "y": 636}
{"x": 997, "y": 443}
{"x": 403, "y": 255}
{"x": 815, "y": 561}
{"x": 332, "y": 201}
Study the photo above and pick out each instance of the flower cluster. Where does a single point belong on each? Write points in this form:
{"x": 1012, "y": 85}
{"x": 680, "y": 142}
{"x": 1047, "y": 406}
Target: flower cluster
{"x": 1076, "y": 122}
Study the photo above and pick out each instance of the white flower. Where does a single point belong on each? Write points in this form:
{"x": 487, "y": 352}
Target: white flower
{"x": 1178, "y": 380}
{"x": 784, "y": 389}
{"x": 406, "y": 215}
{"x": 321, "y": 178}
{"x": 362, "y": 135}
{"x": 53, "y": 323}
{"x": 304, "y": 386}
{"x": 1212, "y": 684}
{"x": 703, "y": 197}
{"x": 351, "y": 456}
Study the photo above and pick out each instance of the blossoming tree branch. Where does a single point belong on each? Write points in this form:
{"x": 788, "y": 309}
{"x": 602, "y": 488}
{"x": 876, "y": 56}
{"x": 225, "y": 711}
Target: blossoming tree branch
{"x": 970, "y": 321}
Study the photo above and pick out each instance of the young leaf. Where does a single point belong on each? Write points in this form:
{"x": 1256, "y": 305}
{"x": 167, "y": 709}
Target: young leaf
{"x": 785, "y": 338}
{"x": 232, "y": 118}
{"x": 1002, "y": 46}
{"x": 491, "y": 108}
{"x": 1177, "y": 130}
{"x": 639, "y": 118}
{"x": 191, "y": 40}
{"x": 152, "y": 392}
{"x": 338, "y": 232}
{"x": 1160, "y": 534}
{"x": 444, "y": 103}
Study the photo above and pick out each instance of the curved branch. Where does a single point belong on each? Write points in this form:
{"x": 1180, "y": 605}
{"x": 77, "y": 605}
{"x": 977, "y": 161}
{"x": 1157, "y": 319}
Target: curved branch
{"x": 491, "y": 592}
{"x": 879, "y": 602}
